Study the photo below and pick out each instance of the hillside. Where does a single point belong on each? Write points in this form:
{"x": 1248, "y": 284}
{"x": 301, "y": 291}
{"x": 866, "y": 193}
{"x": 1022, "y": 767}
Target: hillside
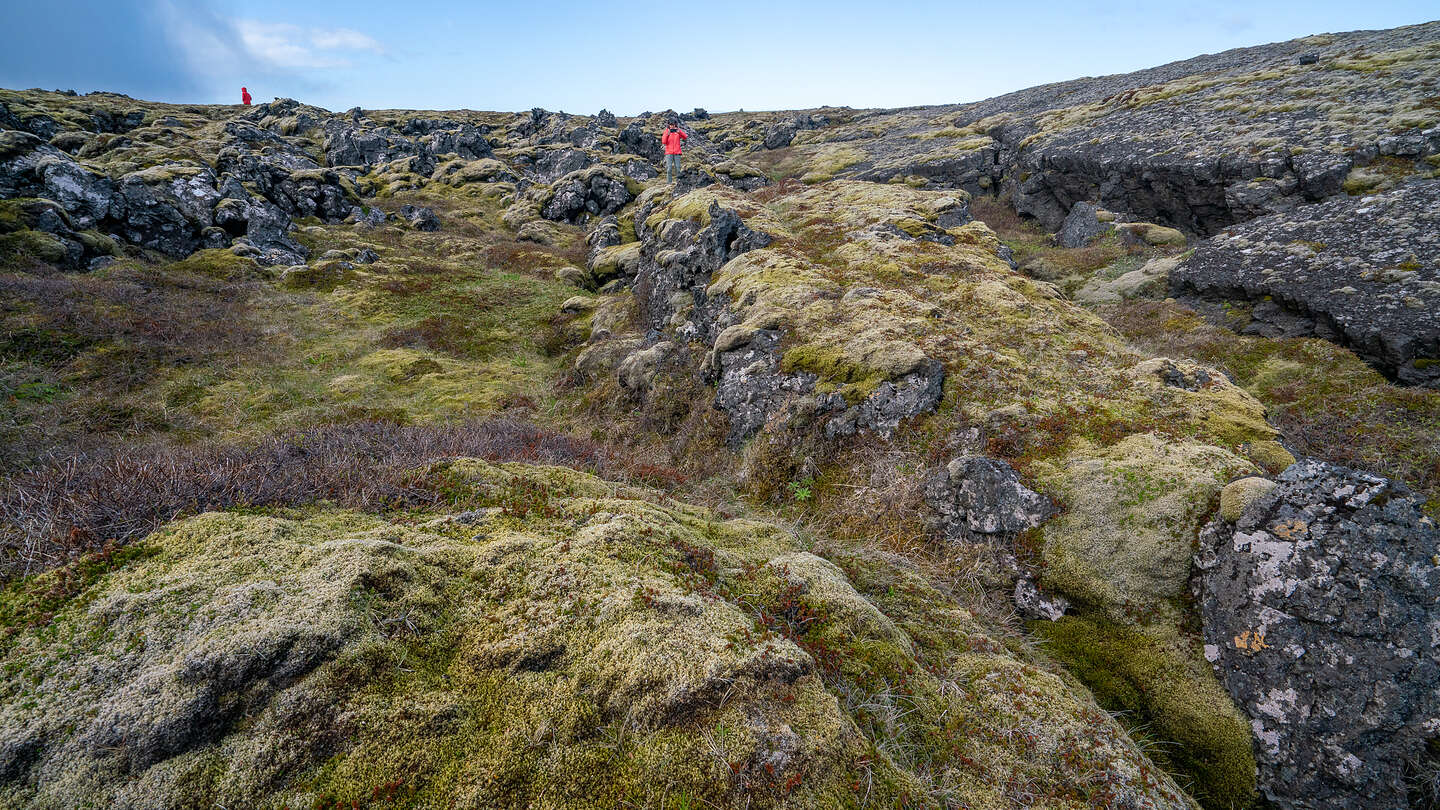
{"x": 1075, "y": 448}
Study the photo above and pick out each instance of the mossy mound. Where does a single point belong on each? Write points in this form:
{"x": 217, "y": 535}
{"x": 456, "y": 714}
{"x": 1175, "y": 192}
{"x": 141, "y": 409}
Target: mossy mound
{"x": 572, "y": 643}
{"x": 1156, "y": 679}
{"x": 1123, "y": 542}
{"x": 1122, "y": 549}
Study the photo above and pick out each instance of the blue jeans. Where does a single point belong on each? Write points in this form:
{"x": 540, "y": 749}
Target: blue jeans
{"x": 672, "y": 168}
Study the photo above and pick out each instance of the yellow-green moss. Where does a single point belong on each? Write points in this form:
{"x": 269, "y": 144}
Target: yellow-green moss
{"x": 218, "y": 263}
{"x": 854, "y": 380}
{"x": 829, "y": 161}
{"x": 1238, "y": 495}
{"x": 1123, "y": 543}
{"x": 38, "y": 245}
{"x": 571, "y": 641}
{"x": 1169, "y": 695}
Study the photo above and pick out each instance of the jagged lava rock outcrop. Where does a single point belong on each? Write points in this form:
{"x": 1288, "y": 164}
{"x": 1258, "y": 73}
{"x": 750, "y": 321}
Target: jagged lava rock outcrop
{"x": 1363, "y": 272}
{"x": 1197, "y": 144}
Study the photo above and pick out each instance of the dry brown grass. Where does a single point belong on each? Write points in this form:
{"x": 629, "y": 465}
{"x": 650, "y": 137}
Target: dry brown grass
{"x": 113, "y": 495}
{"x": 98, "y": 340}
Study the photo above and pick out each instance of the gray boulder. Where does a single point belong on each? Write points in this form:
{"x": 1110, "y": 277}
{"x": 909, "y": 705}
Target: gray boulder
{"x": 553, "y": 164}
{"x": 750, "y": 385}
{"x": 598, "y": 191}
{"x": 65, "y": 245}
{"x": 1082, "y": 226}
{"x": 30, "y": 167}
{"x": 1321, "y": 618}
{"x": 892, "y": 402}
{"x": 466, "y": 140}
{"x": 636, "y": 140}
{"x": 356, "y": 145}
{"x": 779, "y": 135}
{"x": 421, "y": 219}
{"x": 169, "y": 209}
{"x": 263, "y": 227}
{"x": 981, "y": 498}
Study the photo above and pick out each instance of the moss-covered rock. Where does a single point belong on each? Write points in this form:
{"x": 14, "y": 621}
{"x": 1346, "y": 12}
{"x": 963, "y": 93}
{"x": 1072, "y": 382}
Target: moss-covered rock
{"x": 1132, "y": 510}
{"x": 570, "y": 642}
{"x": 1237, "y": 495}
{"x": 1165, "y": 689}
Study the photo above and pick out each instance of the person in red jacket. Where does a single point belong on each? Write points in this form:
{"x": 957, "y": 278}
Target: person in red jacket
{"x": 245, "y": 97}
{"x": 672, "y": 139}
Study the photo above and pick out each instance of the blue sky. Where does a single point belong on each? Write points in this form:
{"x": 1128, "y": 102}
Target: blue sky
{"x": 628, "y": 57}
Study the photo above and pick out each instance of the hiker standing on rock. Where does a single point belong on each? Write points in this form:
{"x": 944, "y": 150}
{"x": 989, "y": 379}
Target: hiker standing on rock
{"x": 672, "y": 139}
{"x": 245, "y": 97}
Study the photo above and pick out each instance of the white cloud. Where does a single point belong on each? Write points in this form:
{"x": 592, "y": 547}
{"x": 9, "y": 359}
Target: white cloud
{"x": 344, "y": 39}
{"x": 282, "y": 45}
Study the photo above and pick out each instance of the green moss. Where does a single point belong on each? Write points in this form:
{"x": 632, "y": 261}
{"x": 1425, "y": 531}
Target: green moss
{"x": 13, "y": 216}
{"x": 914, "y": 227}
{"x": 615, "y": 261}
{"x": 14, "y": 142}
{"x": 1342, "y": 408}
{"x": 32, "y": 602}
{"x": 836, "y": 372}
{"x": 829, "y": 161}
{"x": 18, "y": 246}
{"x": 220, "y": 264}
{"x": 571, "y": 641}
{"x": 1123, "y": 543}
{"x": 1164, "y": 686}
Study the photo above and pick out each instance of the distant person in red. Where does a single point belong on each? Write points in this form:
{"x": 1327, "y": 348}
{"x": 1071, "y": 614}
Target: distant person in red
{"x": 245, "y": 97}
{"x": 672, "y": 139}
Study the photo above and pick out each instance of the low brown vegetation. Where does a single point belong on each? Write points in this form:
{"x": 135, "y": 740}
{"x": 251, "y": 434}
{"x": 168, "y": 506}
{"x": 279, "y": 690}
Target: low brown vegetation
{"x": 77, "y": 350}
{"x": 110, "y": 496}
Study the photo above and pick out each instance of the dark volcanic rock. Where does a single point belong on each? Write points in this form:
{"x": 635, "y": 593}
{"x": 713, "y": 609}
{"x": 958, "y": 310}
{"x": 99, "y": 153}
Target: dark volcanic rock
{"x": 779, "y": 135}
{"x": 595, "y": 192}
{"x": 1320, "y": 616}
{"x": 678, "y": 258}
{"x": 421, "y": 219}
{"x": 750, "y": 386}
{"x": 1081, "y": 227}
{"x": 1361, "y": 271}
{"x": 637, "y": 141}
{"x": 552, "y": 164}
{"x": 976, "y": 497}
{"x": 31, "y": 168}
{"x": 891, "y": 403}
{"x": 168, "y": 208}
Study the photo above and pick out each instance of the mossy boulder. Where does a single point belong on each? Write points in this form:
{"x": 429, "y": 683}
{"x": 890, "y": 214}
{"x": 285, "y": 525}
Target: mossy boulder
{"x": 1237, "y": 495}
{"x": 1132, "y": 510}
{"x": 1148, "y": 233}
{"x": 567, "y": 642}
{"x": 324, "y": 275}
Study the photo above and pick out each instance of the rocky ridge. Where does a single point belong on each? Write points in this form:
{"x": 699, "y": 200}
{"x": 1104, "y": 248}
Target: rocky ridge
{"x": 858, "y": 348}
{"x": 1360, "y": 271}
